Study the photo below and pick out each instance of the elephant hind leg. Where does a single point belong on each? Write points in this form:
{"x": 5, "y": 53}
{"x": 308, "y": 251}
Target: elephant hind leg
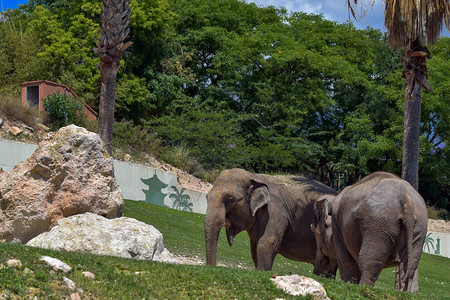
{"x": 348, "y": 268}
{"x": 372, "y": 258}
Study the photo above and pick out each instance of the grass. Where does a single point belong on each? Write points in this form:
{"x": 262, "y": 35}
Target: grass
{"x": 11, "y": 108}
{"x": 119, "y": 278}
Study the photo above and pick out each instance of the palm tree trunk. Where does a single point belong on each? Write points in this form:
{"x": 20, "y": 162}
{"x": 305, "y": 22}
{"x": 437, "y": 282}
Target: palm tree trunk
{"x": 107, "y": 103}
{"x": 411, "y": 131}
{"x": 415, "y": 73}
{"x": 415, "y": 76}
{"x": 113, "y": 31}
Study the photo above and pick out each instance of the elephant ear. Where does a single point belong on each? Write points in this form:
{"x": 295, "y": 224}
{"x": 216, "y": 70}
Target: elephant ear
{"x": 258, "y": 195}
{"x": 322, "y": 208}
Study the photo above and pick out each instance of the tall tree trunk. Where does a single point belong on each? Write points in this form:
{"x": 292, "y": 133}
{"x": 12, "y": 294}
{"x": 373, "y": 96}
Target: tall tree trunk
{"x": 115, "y": 17}
{"x": 411, "y": 131}
{"x": 107, "y": 104}
{"x": 415, "y": 73}
{"x": 415, "y": 76}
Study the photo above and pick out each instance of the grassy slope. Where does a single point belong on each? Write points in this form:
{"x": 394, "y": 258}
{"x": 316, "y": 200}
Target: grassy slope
{"x": 116, "y": 278}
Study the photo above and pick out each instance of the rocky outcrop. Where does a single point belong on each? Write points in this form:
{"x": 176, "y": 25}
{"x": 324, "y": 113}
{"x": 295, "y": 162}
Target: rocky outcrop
{"x": 70, "y": 173}
{"x": 123, "y": 237}
{"x": 297, "y": 285}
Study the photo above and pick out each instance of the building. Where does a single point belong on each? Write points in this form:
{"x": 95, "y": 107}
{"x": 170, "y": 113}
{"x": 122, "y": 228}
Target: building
{"x": 34, "y": 91}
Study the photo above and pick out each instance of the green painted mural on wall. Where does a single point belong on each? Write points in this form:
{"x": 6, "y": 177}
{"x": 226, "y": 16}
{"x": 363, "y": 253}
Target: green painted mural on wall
{"x": 181, "y": 201}
{"x": 153, "y": 194}
{"x": 431, "y": 246}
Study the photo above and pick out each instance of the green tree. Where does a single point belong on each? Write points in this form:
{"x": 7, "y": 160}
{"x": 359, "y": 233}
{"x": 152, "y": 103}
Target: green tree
{"x": 64, "y": 110}
{"x": 410, "y": 25}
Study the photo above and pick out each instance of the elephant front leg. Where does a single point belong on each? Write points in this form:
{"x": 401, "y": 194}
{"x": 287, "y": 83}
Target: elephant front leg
{"x": 253, "y": 249}
{"x": 267, "y": 248}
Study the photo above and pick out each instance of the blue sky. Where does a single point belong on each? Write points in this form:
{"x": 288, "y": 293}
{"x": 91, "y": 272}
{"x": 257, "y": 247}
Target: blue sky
{"x": 11, "y": 3}
{"x": 334, "y": 10}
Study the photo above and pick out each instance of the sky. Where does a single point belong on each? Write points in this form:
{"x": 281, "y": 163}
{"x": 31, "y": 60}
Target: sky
{"x": 334, "y": 10}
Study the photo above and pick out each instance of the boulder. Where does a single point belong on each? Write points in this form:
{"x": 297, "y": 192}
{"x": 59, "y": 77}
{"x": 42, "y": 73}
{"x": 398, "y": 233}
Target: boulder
{"x": 297, "y": 285}
{"x": 70, "y": 173}
{"x": 123, "y": 237}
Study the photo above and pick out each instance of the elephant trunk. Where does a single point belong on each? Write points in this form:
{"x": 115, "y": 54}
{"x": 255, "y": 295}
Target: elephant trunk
{"x": 214, "y": 221}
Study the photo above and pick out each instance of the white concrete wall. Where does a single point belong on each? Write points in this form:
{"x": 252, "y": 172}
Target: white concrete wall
{"x": 128, "y": 175}
{"x": 437, "y": 243}
{"x": 13, "y": 153}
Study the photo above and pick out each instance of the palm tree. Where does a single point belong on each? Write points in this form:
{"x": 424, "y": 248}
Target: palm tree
{"x": 428, "y": 242}
{"x": 410, "y": 25}
{"x": 181, "y": 201}
{"x": 115, "y": 18}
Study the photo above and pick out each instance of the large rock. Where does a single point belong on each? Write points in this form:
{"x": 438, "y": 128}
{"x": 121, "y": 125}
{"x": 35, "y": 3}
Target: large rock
{"x": 123, "y": 237}
{"x": 70, "y": 173}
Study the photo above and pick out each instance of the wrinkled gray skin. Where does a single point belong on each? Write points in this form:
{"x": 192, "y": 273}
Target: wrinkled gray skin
{"x": 325, "y": 261}
{"x": 377, "y": 223}
{"x": 277, "y": 217}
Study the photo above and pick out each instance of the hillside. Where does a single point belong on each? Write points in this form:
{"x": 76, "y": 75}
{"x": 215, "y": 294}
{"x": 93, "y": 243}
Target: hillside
{"x": 18, "y": 131}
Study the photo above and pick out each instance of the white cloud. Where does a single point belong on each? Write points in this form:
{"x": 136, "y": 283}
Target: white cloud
{"x": 334, "y": 10}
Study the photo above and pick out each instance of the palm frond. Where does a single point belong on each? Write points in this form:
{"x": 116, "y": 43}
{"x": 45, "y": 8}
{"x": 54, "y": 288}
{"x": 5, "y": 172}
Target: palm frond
{"x": 418, "y": 21}
{"x": 115, "y": 15}
{"x": 408, "y": 21}
{"x": 358, "y": 9}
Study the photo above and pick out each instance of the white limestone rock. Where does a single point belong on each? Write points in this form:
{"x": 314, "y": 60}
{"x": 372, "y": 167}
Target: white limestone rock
{"x": 56, "y": 264}
{"x": 123, "y": 237}
{"x": 70, "y": 173}
{"x": 297, "y": 285}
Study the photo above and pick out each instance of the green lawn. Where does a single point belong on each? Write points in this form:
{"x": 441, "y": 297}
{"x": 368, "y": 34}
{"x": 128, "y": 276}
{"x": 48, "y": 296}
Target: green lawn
{"x": 118, "y": 278}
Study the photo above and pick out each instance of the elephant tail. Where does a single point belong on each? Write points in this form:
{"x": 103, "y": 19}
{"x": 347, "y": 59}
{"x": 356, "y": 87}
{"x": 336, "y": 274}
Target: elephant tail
{"x": 408, "y": 220}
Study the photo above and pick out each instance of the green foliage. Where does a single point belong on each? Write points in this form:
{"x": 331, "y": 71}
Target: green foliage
{"x": 134, "y": 139}
{"x": 239, "y": 85}
{"x": 134, "y": 101}
{"x": 64, "y": 110}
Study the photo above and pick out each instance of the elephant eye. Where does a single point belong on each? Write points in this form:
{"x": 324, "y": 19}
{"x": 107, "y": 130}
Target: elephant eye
{"x": 229, "y": 201}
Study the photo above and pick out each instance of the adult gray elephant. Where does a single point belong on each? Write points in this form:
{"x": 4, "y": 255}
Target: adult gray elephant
{"x": 377, "y": 223}
{"x": 276, "y": 216}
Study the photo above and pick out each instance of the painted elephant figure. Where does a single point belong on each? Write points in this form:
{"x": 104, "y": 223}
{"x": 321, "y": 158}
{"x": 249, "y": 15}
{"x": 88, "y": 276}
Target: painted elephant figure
{"x": 377, "y": 223}
{"x": 276, "y": 216}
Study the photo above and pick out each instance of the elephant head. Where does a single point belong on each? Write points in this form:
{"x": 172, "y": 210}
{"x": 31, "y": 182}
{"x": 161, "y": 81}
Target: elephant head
{"x": 232, "y": 202}
{"x": 326, "y": 262}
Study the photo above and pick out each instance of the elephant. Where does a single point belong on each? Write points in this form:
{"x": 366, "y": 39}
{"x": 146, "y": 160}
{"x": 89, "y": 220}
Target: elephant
{"x": 276, "y": 216}
{"x": 379, "y": 222}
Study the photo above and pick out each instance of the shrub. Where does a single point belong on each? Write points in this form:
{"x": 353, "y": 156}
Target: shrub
{"x": 63, "y": 111}
{"x": 437, "y": 213}
{"x": 182, "y": 157}
{"x": 11, "y": 108}
{"x": 134, "y": 139}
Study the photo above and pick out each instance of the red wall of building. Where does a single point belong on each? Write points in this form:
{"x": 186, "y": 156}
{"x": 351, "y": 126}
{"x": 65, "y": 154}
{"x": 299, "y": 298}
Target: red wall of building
{"x": 47, "y": 88}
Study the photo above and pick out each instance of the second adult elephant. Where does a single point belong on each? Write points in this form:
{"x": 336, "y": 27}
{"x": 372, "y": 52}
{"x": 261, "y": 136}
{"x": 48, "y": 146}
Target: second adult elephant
{"x": 376, "y": 223}
{"x": 276, "y": 216}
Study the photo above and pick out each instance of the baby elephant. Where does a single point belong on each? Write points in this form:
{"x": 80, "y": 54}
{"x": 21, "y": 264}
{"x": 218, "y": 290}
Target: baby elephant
{"x": 377, "y": 223}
